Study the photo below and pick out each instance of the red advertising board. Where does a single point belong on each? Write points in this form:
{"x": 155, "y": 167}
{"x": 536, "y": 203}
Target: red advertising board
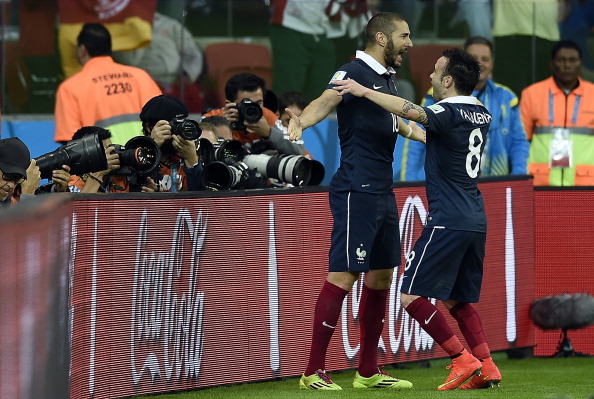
{"x": 564, "y": 257}
{"x": 178, "y": 293}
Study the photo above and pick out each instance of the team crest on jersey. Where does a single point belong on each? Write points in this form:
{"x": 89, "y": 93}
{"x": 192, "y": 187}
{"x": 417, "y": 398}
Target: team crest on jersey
{"x": 339, "y": 75}
{"x": 436, "y": 108}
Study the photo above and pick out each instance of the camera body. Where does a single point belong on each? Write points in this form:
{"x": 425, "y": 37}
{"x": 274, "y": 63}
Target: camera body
{"x": 186, "y": 128}
{"x": 140, "y": 156}
{"x": 248, "y": 111}
{"x": 223, "y": 169}
{"x": 227, "y": 151}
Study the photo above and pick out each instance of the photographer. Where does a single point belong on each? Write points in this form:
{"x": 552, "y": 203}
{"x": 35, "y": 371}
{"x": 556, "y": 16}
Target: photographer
{"x": 209, "y": 132}
{"x": 103, "y": 181}
{"x": 16, "y": 169}
{"x": 58, "y": 182}
{"x": 20, "y": 175}
{"x": 222, "y": 126}
{"x": 243, "y": 92}
{"x": 180, "y": 167}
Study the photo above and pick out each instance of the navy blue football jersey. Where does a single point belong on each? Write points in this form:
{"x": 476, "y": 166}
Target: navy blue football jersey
{"x": 366, "y": 131}
{"x": 456, "y": 136}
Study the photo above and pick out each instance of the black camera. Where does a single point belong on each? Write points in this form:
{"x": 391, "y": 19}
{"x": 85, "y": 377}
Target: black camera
{"x": 187, "y": 128}
{"x": 227, "y": 151}
{"x": 84, "y": 155}
{"x": 248, "y": 111}
{"x": 140, "y": 156}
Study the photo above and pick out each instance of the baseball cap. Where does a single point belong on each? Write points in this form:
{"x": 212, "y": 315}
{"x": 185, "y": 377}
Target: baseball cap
{"x": 14, "y": 156}
{"x": 163, "y": 107}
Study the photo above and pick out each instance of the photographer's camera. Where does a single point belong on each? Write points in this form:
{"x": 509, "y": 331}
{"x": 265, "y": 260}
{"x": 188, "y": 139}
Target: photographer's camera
{"x": 186, "y": 128}
{"x": 140, "y": 156}
{"x": 248, "y": 111}
{"x": 83, "y": 155}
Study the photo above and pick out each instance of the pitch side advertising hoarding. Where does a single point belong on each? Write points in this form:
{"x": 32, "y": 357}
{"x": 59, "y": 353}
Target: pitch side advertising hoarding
{"x": 179, "y": 293}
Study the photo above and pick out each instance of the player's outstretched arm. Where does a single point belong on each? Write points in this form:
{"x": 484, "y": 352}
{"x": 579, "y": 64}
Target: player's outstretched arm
{"x": 316, "y": 111}
{"x": 395, "y": 105}
{"x": 411, "y": 131}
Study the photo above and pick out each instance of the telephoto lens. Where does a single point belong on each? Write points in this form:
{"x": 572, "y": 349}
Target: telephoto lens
{"x": 84, "y": 155}
{"x": 221, "y": 176}
{"x": 293, "y": 169}
{"x": 229, "y": 151}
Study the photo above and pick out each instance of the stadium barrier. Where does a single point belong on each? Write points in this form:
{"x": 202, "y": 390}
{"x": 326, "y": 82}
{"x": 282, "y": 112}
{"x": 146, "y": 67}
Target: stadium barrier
{"x": 564, "y": 257}
{"x": 180, "y": 291}
{"x": 34, "y": 296}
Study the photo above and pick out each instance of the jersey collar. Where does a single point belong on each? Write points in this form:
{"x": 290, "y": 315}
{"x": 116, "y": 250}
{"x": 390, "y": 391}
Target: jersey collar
{"x": 373, "y": 63}
{"x": 460, "y": 100}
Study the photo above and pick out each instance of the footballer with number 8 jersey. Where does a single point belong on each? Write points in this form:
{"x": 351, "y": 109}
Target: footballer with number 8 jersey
{"x": 446, "y": 262}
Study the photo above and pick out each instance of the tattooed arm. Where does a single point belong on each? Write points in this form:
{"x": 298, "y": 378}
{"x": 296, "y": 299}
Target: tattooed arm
{"x": 395, "y": 105}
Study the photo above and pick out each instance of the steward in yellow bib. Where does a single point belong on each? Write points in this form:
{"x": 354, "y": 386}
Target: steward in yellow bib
{"x": 558, "y": 116}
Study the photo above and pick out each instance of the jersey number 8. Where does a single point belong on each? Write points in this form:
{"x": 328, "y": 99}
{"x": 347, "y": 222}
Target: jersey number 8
{"x": 474, "y": 149}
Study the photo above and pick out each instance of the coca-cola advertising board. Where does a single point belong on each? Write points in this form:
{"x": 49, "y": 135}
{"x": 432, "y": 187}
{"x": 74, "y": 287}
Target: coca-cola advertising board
{"x": 177, "y": 293}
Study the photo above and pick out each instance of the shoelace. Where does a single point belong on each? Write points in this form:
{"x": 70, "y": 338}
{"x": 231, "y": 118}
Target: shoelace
{"x": 322, "y": 374}
{"x": 452, "y": 365}
{"x": 382, "y": 372}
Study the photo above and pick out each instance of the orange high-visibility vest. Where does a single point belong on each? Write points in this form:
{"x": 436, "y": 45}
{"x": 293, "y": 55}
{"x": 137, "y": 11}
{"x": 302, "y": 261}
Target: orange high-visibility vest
{"x": 545, "y": 108}
{"x": 105, "y": 94}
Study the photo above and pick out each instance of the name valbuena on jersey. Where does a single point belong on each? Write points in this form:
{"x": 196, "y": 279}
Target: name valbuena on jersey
{"x": 456, "y": 136}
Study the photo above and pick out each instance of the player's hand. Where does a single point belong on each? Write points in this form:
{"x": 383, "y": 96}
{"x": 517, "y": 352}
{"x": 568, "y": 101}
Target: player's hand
{"x": 60, "y": 178}
{"x": 349, "y": 86}
{"x": 161, "y": 132}
{"x": 295, "y": 128}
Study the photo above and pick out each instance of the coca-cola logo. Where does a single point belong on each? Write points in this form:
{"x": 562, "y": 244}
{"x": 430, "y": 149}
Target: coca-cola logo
{"x": 167, "y": 310}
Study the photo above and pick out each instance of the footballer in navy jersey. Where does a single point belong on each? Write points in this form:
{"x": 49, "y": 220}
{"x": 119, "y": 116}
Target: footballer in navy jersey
{"x": 366, "y": 131}
{"x": 456, "y": 135}
{"x": 446, "y": 262}
{"x": 365, "y": 231}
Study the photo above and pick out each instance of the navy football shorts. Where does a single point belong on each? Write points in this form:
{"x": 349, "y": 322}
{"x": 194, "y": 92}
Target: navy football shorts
{"x": 365, "y": 233}
{"x": 446, "y": 264}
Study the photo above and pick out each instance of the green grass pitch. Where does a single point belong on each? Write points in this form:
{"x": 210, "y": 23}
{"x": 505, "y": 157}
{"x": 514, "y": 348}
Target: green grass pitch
{"x": 529, "y": 378}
